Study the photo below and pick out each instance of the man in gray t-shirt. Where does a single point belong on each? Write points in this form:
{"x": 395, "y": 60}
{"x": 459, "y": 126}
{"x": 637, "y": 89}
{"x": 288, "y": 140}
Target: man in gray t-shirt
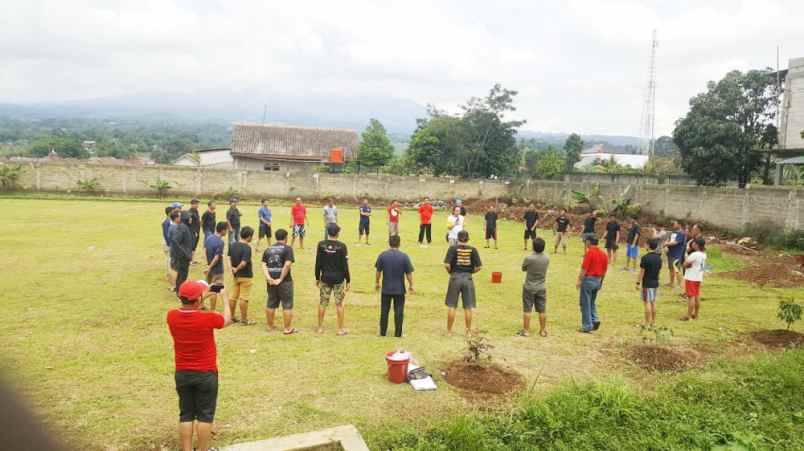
{"x": 330, "y": 215}
{"x": 534, "y": 290}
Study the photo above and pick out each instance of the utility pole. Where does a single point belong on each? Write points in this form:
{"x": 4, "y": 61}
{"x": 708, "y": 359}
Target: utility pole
{"x": 648, "y": 123}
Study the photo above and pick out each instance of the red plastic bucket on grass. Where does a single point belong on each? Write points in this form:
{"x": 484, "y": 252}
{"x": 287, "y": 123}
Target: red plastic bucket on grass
{"x": 496, "y": 277}
{"x": 397, "y": 368}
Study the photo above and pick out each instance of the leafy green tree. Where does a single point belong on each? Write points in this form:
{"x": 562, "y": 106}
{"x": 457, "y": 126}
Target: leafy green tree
{"x": 722, "y": 136}
{"x": 572, "y": 152}
{"x": 551, "y": 163}
{"x": 664, "y": 146}
{"x": 375, "y": 147}
{"x": 64, "y": 146}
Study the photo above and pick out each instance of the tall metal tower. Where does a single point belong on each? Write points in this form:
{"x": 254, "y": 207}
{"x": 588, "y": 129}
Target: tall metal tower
{"x": 647, "y": 128}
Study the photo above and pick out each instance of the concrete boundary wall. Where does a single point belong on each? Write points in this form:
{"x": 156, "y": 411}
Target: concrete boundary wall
{"x": 729, "y": 207}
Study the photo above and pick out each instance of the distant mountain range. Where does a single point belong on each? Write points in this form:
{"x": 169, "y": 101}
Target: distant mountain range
{"x": 398, "y": 115}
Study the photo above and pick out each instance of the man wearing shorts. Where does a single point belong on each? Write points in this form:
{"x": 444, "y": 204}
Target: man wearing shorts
{"x": 240, "y": 260}
{"x": 534, "y": 290}
{"x": 589, "y": 227}
{"x": 454, "y": 226}
{"x": 233, "y": 218}
{"x": 265, "y": 216}
{"x": 650, "y": 266}
{"x": 531, "y": 220}
{"x": 425, "y": 222}
{"x": 276, "y": 263}
{"x": 363, "y": 228}
{"x": 330, "y": 215}
{"x": 693, "y": 277}
{"x": 491, "y": 226}
{"x": 196, "y": 362}
{"x": 612, "y": 239}
{"x": 461, "y": 262}
{"x": 213, "y": 248}
{"x": 298, "y": 217}
{"x": 393, "y": 218}
{"x": 562, "y": 226}
{"x": 332, "y": 276}
{"x": 675, "y": 253}
{"x": 632, "y": 246}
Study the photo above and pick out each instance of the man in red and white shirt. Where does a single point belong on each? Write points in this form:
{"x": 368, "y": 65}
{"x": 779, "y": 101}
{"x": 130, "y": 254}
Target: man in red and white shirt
{"x": 298, "y": 217}
{"x": 426, "y": 216}
{"x": 393, "y": 218}
{"x": 590, "y": 281}
{"x": 196, "y": 358}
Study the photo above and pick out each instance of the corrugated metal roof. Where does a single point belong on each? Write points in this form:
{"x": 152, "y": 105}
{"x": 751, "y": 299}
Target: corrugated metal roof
{"x": 292, "y": 141}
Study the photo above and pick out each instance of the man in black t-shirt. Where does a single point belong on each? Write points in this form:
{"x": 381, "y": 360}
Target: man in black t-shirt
{"x": 562, "y": 226}
{"x": 589, "y": 227}
{"x": 650, "y": 267}
{"x": 240, "y": 259}
{"x": 632, "y": 246}
{"x": 612, "y": 239}
{"x": 491, "y": 226}
{"x": 195, "y": 221}
{"x": 461, "y": 262}
{"x": 332, "y": 276}
{"x": 531, "y": 220}
{"x": 208, "y": 223}
{"x": 276, "y": 263}
{"x": 233, "y": 218}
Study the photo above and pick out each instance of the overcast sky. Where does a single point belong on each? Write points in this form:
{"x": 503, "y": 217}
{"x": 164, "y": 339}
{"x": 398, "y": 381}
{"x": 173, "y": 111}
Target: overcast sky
{"x": 578, "y": 65}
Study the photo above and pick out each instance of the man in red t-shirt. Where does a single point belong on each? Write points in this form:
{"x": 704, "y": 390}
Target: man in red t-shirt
{"x": 196, "y": 362}
{"x": 298, "y": 216}
{"x": 426, "y": 215}
{"x": 393, "y": 218}
{"x": 590, "y": 281}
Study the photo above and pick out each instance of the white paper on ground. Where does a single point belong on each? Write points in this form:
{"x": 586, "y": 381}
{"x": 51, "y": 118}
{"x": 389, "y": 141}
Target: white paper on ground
{"x": 421, "y": 384}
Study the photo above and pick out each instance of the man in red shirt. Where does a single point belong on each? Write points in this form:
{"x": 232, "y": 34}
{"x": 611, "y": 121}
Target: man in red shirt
{"x": 196, "y": 362}
{"x": 426, "y": 215}
{"x": 590, "y": 281}
{"x": 393, "y": 218}
{"x": 298, "y": 215}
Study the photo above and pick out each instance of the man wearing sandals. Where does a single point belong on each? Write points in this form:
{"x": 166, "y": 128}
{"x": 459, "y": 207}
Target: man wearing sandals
{"x": 332, "y": 275}
{"x": 461, "y": 261}
{"x": 193, "y": 332}
{"x": 276, "y": 262}
{"x": 240, "y": 260}
{"x": 534, "y": 290}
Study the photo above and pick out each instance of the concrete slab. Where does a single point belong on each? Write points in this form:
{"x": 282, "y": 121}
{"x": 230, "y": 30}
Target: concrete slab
{"x": 340, "y": 438}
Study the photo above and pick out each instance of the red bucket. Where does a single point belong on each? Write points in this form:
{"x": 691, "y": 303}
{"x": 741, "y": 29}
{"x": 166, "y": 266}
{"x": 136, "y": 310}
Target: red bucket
{"x": 397, "y": 369}
{"x": 496, "y": 277}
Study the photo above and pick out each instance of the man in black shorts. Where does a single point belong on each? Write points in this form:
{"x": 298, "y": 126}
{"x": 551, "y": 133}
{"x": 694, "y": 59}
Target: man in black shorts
{"x": 196, "y": 360}
{"x": 461, "y": 262}
{"x": 276, "y": 262}
{"x": 491, "y": 226}
{"x": 562, "y": 225}
{"x": 531, "y": 219}
{"x": 612, "y": 239}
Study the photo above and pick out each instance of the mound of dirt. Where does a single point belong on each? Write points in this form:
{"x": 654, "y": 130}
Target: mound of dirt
{"x": 782, "y": 272}
{"x": 663, "y": 358}
{"x": 482, "y": 378}
{"x": 779, "y": 338}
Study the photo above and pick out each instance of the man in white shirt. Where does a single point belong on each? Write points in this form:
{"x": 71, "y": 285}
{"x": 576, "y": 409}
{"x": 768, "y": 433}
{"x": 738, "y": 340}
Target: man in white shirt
{"x": 454, "y": 225}
{"x": 693, "y": 277}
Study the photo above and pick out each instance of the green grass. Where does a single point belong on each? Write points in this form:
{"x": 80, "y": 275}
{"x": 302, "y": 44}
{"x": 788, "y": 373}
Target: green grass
{"x": 87, "y": 344}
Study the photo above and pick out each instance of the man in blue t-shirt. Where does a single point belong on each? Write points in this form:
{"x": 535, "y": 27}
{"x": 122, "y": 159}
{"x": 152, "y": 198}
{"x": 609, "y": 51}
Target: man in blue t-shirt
{"x": 213, "y": 247}
{"x": 170, "y": 275}
{"x": 265, "y": 216}
{"x": 394, "y": 266}
{"x": 675, "y": 253}
{"x": 365, "y": 219}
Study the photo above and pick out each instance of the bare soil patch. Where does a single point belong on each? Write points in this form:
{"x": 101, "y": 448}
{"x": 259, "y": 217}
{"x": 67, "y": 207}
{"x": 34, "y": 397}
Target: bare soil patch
{"x": 663, "y": 358}
{"x": 783, "y": 272}
{"x": 778, "y": 338}
{"x": 482, "y": 378}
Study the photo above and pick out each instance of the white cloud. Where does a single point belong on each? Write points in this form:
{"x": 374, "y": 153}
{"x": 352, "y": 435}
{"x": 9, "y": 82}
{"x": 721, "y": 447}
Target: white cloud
{"x": 579, "y": 65}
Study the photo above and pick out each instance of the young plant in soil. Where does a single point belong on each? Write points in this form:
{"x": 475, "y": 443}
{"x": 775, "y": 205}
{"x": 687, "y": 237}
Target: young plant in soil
{"x": 789, "y": 312}
{"x": 477, "y": 347}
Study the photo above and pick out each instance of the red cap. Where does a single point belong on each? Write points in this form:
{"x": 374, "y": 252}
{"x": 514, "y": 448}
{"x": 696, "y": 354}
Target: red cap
{"x": 193, "y": 289}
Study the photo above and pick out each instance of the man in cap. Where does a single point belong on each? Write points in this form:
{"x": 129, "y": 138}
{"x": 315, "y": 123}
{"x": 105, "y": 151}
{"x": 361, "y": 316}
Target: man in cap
{"x": 196, "y": 363}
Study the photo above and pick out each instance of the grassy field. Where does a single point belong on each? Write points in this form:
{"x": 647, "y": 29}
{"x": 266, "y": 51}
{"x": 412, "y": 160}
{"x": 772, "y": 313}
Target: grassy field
{"x": 86, "y": 340}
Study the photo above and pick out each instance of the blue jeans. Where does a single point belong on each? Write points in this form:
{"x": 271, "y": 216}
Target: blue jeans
{"x": 589, "y": 288}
